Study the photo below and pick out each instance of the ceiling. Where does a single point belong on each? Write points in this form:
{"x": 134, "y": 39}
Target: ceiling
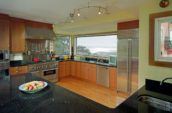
{"x": 57, "y": 11}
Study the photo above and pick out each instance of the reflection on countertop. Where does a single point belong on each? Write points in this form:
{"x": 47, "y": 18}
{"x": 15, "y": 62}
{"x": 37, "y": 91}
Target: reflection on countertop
{"x": 25, "y": 63}
{"x": 55, "y": 99}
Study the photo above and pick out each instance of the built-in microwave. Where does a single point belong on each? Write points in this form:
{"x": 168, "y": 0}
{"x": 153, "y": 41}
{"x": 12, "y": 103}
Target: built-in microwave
{"x": 4, "y": 55}
{"x": 112, "y": 60}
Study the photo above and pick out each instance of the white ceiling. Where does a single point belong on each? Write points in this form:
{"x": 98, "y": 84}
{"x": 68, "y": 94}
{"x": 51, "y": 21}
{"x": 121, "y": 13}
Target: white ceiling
{"x": 56, "y": 11}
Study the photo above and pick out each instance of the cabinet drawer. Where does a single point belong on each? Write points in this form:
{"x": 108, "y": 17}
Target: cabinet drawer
{"x": 13, "y": 70}
{"x": 22, "y": 69}
{"x": 18, "y": 70}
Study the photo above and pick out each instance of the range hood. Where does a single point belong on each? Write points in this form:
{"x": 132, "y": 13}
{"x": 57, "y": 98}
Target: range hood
{"x": 39, "y": 33}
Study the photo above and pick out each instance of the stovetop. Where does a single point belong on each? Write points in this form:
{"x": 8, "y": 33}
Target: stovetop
{"x": 42, "y": 66}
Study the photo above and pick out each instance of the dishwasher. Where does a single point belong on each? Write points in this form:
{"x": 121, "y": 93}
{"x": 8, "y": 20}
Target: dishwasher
{"x": 102, "y": 75}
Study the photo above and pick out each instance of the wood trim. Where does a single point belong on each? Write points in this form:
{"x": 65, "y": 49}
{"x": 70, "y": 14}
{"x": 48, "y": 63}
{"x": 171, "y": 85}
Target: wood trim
{"x": 128, "y": 25}
{"x": 151, "y": 39}
{"x": 34, "y": 24}
{"x": 28, "y": 22}
{"x": 4, "y": 16}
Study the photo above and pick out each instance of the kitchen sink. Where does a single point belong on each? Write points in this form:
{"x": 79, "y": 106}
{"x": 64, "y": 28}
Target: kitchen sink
{"x": 156, "y": 102}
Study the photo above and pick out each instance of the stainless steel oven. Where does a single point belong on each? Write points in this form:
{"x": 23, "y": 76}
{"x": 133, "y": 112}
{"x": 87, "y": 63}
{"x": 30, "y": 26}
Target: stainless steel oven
{"x": 4, "y": 55}
{"x": 47, "y": 70}
{"x": 50, "y": 74}
{"x": 4, "y": 69}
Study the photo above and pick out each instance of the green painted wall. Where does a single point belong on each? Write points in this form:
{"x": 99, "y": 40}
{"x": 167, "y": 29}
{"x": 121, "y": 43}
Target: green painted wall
{"x": 145, "y": 70}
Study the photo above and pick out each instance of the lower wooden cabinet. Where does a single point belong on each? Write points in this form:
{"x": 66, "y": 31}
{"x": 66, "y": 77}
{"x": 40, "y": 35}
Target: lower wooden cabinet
{"x": 78, "y": 69}
{"x": 112, "y": 78}
{"x": 92, "y": 73}
{"x": 85, "y": 71}
{"x": 61, "y": 71}
{"x": 68, "y": 68}
{"x": 73, "y": 68}
{"x": 18, "y": 70}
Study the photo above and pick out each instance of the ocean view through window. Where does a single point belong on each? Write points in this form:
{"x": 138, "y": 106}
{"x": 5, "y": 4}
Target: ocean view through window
{"x": 103, "y": 46}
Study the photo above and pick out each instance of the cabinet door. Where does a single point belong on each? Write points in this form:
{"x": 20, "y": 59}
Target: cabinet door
{"x": 67, "y": 68}
{"x": 78, "y": 69}
{"x": 22, "y": 69}
{"x": 73, "y": 68}
{"x": 83, "y": 72}
{"x": 17, "y": 36}
{"x": 4, "y": 34}
{"x": 13, "y": 70}
{"x": 61, "y": 72}
{"x": 112, "y": 78}
{"x": 92, "y": 73}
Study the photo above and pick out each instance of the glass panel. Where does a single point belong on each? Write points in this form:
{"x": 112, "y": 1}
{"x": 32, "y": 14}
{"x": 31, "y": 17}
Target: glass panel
{"x": 166, "y": 39}
{"x": 62, "y": 45}
{"x": 163, "y": 39}
{"x": 103, "y": 46}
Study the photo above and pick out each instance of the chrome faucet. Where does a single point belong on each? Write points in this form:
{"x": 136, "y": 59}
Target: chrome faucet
{"x": 161, "y": 83}
{"x": 100, "y": 60}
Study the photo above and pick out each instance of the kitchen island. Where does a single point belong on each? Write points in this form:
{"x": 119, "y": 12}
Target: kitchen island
{"x": 55, "y": 99}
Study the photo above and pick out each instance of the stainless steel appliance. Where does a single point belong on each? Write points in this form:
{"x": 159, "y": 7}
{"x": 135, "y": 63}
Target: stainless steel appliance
{"x": 112, "y": 59}
{"x": 127, "y": 61}
{"x": 4, "y": 63}
{"x": 47, "y": 70}
{"x": 4, "y": 55}
{"x": 103, "y": 75}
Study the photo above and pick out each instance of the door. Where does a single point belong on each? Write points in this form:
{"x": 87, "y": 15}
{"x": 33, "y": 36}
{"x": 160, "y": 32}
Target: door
{"x": 4, "y": 34}
{"x": 17, "y": 36}
{"x": 123, "y": 65}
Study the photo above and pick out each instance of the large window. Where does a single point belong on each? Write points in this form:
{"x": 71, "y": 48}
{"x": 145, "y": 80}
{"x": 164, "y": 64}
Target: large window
{"x": 97, "y": 45}
{"x": 62, "y": 45}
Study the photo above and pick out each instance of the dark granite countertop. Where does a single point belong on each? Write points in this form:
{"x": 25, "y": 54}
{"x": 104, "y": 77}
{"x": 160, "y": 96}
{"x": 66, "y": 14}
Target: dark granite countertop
{"x": 23, "y": 63}
{"x": 55, "y": 99}
{"x": 91, "y": 62}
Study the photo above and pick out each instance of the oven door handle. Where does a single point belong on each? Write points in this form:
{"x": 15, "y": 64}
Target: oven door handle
{"x": 51, "y": 69}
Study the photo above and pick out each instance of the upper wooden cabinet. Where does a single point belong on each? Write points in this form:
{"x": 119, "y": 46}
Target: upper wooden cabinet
{"x": 17, "y": 36}
{"x": 4, "y": 34}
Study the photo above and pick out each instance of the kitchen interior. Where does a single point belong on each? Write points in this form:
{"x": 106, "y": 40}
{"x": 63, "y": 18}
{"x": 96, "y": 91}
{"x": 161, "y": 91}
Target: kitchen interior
{"x": 101, "y": 56}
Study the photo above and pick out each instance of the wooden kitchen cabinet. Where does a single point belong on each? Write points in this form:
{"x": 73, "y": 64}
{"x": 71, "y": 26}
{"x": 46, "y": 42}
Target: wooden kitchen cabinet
{"x": 61, "y": 72}
{"x": 92, "y": 73}
{"x": 4, "y": 34}
{"x": 17, "y": 36}
{"x": 88, "y": 72}
{"x": 68, "y": 68}
{"x": 78, "y": 69}
{"x": 64, "y": 69}
{"x": 112, "y": 78}
{"x": 73, "y": 68}
{"x": 18, "y": 70}
{"x": 84, "y": 71}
